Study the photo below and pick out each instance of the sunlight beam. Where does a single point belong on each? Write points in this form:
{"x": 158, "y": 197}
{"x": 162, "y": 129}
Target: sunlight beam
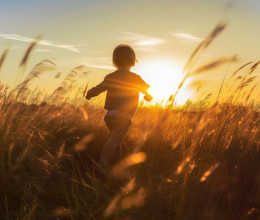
{"x": 164, "y": 77}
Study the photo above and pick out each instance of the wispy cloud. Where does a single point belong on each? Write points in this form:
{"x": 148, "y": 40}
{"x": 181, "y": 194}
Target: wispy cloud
{"x": 188, "y": 37}
{"x": 102, "y": 67}
{"x": 42, "y": 50}
{"x": 142, "y": 40}
{"x": 100, "y": 62}
{"x": 17, "y": 37}
{"x": 150, "y": 42}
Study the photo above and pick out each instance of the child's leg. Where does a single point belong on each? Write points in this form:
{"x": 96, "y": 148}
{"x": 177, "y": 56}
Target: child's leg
{"x": 109, "y": 150}
{"x": 120, "y": 153}
{"x": 119, "y": 131}
{"x": 117, "y": 156}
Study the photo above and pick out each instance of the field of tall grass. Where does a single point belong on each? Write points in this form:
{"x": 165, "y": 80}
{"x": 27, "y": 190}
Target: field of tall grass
{"x": 197, "y": 161}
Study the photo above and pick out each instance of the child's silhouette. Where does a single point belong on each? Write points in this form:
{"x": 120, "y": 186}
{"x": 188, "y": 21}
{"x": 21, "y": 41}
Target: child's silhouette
{"x": 122, "y": 98}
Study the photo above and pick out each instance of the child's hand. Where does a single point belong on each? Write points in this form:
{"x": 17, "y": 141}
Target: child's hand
{"x": 148, "y": 97}
{"x": 88, "y": 97}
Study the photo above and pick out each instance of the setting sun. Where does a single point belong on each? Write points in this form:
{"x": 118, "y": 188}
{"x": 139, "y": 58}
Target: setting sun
{"x": 164, "y": 77}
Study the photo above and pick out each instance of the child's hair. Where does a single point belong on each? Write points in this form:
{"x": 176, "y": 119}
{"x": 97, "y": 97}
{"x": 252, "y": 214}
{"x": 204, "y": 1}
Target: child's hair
{"x": 124, "y": 56}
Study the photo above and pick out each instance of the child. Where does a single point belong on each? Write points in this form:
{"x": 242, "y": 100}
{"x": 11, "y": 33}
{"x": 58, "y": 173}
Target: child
{"x": 122, "y": 98}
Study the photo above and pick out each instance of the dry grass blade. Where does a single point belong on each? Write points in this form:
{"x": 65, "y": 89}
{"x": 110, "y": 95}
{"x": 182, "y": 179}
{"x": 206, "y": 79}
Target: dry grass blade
{"x": 43, "y": 66}
{"x": 251, "y": 91}
{"x": 252, "y": 69}
{"x": 240, "y": 69}
{"x": 234, "y": 58}
{"x": 82, "y": 144}
{"x": 61, "y": 212}
{"x": 213, "y": 64}
{"x": 57, "y": 75}
{"x": 129, "y": 187}
{"x": 85, "y": 114}
{"x": 61, "y": 150}
{"x": 67, "y": 84}
{"x": 85, "y": 90}
{"x": 253, "y": 88}
{"x": 246, "y": 83}
{"x": 203, "y": 45}
{"x": 172, "y": 97}
{"x": 196, "y": 83}
{"x": 40, "y": 68}
{"x": 208, "y": 172}
{"x": 112, "y": 206}
{"x": 28, "y": 52}
{"x": 195, "y": 54}
{"x": 182, "y": 165}
{"x": 120, "y": 170}
{"x": 135, "y": 200}
{"x": 24, "y": 60}
{"x": 239, "y": 77}
{"x": 216, "y": 31}
{"x": 3, "y": 57}
{"x": 251, "y": 79}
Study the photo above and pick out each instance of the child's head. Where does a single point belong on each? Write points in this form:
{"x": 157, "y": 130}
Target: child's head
{"x": 124, "y": 56}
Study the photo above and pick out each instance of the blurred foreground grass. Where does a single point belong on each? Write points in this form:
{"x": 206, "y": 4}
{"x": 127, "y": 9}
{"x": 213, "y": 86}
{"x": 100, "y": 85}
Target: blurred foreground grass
{"x": 199, "y": 164}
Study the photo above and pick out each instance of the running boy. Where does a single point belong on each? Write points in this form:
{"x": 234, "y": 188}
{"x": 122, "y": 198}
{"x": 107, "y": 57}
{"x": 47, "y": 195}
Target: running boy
{"x": 123, "y": 87}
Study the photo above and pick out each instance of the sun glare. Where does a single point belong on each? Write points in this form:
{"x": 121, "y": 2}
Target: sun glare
{"x": 163, "y": 77}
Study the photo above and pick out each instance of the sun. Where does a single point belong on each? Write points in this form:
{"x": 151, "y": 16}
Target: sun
{"x": 163, "y": 76}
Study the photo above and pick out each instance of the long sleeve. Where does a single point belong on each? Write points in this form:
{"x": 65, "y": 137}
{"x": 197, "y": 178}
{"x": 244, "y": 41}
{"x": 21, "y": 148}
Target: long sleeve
{"x": 95, "y": 91}
{"x": 143, "y": 86}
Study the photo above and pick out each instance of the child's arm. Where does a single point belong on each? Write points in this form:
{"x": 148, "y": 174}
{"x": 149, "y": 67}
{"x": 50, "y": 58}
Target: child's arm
{"x": 147, "y": 97}
{"x": 95, "y": 91}
{"x": 143, "y": 88}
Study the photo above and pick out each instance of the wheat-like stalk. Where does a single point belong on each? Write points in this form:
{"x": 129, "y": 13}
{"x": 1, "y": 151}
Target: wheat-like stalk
{"x": 3, "y": 57}
{"x": 190, "y": 64}
{"x": 23, "y": 62}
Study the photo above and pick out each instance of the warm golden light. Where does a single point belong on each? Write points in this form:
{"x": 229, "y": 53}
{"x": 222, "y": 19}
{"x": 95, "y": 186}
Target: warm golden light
{"x": 164, "y": 77}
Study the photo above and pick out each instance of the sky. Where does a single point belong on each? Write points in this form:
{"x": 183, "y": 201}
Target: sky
{"x": 77, "y": 32}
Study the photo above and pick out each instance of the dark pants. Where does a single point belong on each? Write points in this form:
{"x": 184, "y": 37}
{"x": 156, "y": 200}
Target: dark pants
{"x": 118, "y": 126}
